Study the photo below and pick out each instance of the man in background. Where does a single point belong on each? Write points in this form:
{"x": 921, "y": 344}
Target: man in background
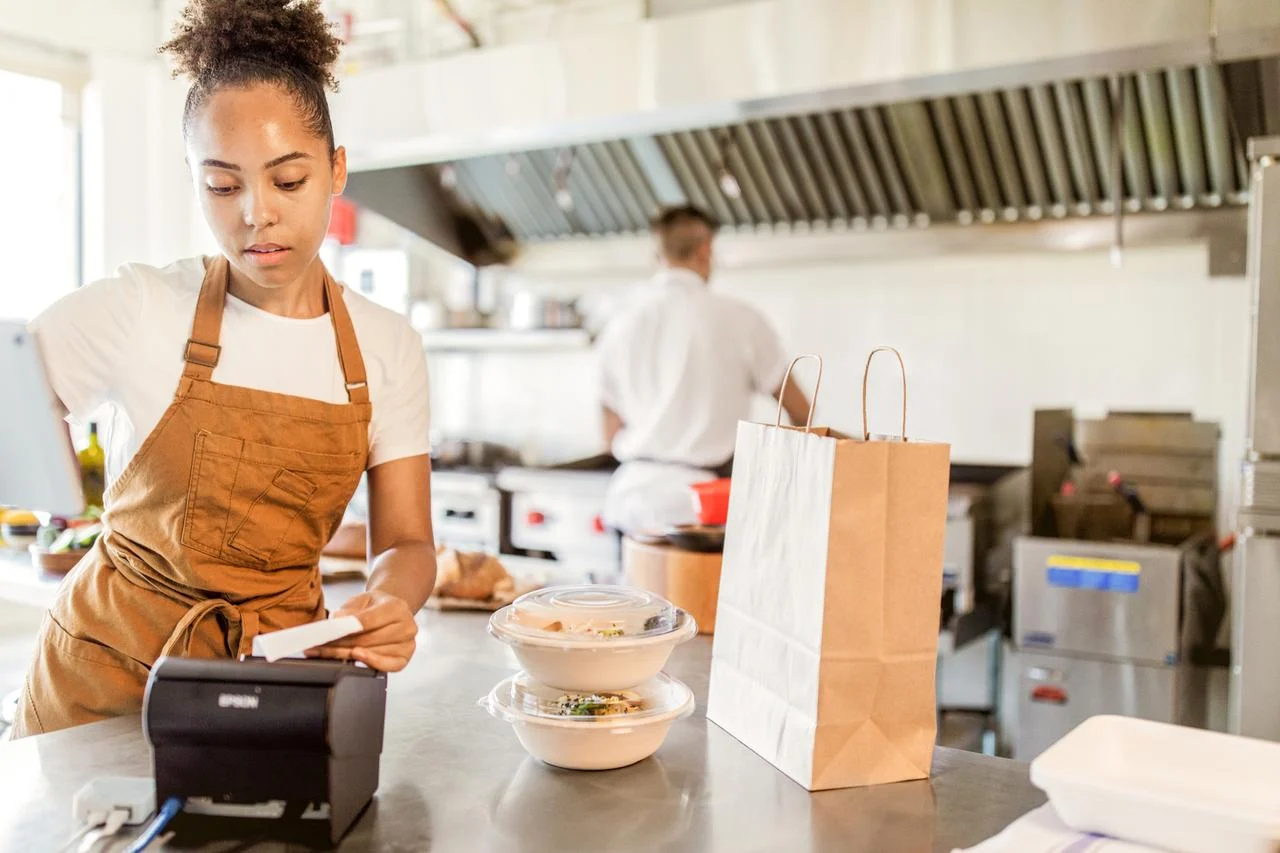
{"x": 679, "y": 369}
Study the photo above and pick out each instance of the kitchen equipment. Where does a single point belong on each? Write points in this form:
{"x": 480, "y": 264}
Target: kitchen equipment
{"x": 703, "y": 539}
{"x": 585, "y": 742}
{"x": 38, "y": 467}
{"x": 472, "y": 454}
{"x": 1098, "y": 627}
{"x": 942, "y": 155}
{"x": 558, "y": 513}
{"x": 1175, "y": 788}
{"x": 711, "y": 501}
{"x": 467, "y": 511}
{"x": 592, "y": 637}
{"x": 1255, "y": 642}
{"x": 689, "y": 580}
{"x": 290, "y": 748}
{"x": 527, "y": 310}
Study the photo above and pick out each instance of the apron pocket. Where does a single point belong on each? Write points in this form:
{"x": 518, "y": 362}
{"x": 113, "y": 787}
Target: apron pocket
{"x": 261, "y": 506}
{"x": 271, "y": 515}
{"x": 215, "y": 465}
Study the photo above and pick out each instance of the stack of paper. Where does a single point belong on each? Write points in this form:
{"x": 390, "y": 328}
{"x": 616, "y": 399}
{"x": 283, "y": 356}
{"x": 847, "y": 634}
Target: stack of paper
{"x": 1042, "y": 831}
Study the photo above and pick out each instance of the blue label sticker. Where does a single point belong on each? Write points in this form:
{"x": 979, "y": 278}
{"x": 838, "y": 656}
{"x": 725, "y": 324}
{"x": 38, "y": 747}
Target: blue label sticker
{"x": 1088, "y": 573}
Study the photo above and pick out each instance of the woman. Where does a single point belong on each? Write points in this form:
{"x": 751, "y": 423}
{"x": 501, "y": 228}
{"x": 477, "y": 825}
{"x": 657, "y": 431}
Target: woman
{"x": 263, "y": 388}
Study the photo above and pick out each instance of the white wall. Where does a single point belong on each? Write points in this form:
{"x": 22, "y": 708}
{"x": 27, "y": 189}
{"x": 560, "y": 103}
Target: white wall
{"x": 139, "y": 202}
{"x": 89, "y": 27}
{"x": 987, "y": 339}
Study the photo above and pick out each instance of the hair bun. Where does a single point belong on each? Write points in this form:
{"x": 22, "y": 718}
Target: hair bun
{"x": 212, "y": 34}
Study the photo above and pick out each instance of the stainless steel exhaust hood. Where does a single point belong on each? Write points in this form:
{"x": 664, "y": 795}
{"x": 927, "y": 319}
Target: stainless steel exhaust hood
{"x": 780, "y": 114}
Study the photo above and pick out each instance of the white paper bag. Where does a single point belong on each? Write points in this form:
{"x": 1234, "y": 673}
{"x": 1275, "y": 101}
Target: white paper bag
{"x": 827, "y": 623}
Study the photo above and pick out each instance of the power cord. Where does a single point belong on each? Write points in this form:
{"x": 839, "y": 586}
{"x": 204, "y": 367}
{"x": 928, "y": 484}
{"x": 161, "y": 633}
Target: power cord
{"x": 167, "y": 812}
{"x": 92, "y": 822}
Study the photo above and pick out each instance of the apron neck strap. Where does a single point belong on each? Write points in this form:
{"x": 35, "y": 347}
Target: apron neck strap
{"x": 353, "y": 371}
{"x": 203, "y": 349}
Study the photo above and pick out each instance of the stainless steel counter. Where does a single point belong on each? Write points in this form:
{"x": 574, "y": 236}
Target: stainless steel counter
{"x": 454, "y": 779}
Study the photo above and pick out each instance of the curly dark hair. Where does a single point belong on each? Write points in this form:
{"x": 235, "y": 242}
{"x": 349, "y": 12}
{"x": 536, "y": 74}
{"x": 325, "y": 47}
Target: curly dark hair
{"x": 239, "y": 43}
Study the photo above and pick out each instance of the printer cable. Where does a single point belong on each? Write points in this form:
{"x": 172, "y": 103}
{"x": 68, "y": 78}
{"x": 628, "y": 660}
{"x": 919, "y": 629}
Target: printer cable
{"x": 167, "y": 812}
{"x": 97, "y": 827}
{"x": 94, "y": 820}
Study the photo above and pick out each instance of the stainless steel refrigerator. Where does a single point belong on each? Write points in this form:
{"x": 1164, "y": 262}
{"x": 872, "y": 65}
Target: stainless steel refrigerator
{"x": 1254, "y": 701}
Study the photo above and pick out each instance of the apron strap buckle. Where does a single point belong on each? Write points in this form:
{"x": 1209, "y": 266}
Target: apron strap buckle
{"x": 205, "y": 355}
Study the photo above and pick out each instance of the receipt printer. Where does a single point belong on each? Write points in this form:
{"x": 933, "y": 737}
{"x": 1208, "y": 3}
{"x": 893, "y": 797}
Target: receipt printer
{"x": 292, "y": 746}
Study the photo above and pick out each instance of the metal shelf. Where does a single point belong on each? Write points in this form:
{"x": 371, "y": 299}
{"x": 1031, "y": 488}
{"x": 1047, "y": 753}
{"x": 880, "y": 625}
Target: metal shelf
{"x": 478, "y": 340}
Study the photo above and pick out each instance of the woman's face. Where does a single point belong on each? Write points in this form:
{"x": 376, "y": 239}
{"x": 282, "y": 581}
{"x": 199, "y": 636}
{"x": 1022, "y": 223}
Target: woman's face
{"x": 264, "y": 182}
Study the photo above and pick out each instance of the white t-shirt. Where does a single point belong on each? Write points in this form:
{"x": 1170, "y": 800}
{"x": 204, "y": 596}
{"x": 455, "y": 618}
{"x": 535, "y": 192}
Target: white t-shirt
{"x": 119, "y": 342}
{"x": 682, "y": 367}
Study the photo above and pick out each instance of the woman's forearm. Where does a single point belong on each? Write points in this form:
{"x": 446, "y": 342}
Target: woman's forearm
{"x": 407, "y": 571}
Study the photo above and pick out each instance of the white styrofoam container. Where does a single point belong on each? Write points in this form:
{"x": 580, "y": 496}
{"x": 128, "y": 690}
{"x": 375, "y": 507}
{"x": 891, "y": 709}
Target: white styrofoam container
{"x": 1184, "y": 790}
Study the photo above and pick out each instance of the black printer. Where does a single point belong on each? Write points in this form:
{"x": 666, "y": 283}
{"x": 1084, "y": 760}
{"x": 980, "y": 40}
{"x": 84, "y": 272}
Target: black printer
{"x": 283, "y": 750}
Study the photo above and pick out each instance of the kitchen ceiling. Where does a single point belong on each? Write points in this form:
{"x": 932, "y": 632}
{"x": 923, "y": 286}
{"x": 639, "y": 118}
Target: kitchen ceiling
{"x": 1028, "y": 153}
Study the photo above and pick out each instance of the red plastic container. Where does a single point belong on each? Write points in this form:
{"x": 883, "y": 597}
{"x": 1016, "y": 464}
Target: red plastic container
{"x": 711, "y": 499}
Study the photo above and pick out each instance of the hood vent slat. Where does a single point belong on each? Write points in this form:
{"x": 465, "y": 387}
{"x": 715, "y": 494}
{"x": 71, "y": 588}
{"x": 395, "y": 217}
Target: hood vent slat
{"x": 1055, "y": 152}
{"x": 1155, "y": 121}
{"x": 848, "y": 184}
{"x": 1028, "y": 149}
{"x": 1185, "y": 114}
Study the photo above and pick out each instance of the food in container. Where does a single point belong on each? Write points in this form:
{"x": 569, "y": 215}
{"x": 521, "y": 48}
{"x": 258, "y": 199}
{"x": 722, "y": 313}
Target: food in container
{"x": 602, "y": 704}
{"x": 592, "y": 638}
{"x": 596, "y": 730}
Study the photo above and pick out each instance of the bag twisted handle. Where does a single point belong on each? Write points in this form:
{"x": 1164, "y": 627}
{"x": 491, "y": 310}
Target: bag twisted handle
{"x": 813, "y": 402}
{"x": 866, "y": 429}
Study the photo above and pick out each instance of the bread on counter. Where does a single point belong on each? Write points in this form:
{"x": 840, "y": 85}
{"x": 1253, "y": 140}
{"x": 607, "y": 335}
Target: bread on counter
{"x": 474, "y": 576}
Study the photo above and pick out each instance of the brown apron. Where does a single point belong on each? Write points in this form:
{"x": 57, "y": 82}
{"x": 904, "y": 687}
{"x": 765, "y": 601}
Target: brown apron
{"x": 212, "y": 533}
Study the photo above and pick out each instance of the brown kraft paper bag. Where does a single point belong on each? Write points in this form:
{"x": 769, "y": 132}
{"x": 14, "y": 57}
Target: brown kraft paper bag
{"x": 827, "y": 624}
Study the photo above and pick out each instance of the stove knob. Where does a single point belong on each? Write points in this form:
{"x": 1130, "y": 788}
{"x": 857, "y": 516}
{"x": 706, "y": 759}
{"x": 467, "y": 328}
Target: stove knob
{"x": 597, "y": 524}
{"x": 536, "y": 518}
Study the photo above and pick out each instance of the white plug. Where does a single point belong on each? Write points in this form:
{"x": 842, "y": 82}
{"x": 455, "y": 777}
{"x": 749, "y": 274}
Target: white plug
{"x": 136, "y": 795}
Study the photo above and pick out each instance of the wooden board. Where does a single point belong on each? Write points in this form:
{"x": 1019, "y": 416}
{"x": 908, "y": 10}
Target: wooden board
{"x": 342, "y": 568}
{"x": 522, "y": 585}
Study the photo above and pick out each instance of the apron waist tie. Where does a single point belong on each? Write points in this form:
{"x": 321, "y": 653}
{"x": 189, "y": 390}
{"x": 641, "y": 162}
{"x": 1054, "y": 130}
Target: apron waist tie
{"x": 242, "y": 625}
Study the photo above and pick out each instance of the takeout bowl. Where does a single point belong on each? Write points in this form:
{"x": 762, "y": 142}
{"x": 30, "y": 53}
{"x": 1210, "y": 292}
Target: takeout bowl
{"x": 613, "y": 667}
{"x": 589, "y": 743}
{"x": 576, "y": 662}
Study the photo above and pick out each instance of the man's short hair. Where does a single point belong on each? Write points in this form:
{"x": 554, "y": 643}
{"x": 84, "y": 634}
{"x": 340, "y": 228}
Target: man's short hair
{"x": 680, "y": 230}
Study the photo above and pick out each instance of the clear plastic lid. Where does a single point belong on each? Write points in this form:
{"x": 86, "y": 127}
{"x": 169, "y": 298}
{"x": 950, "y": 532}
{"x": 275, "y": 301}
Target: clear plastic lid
{"x": 520, "y": 698}
{"x": 588, "y": 614}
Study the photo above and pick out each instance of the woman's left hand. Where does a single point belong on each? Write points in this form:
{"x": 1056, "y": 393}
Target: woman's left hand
{"x": 389, "y": 636}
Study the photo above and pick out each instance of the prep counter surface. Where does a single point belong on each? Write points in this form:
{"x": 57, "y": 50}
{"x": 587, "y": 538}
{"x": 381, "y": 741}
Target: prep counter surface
{"x": 455, "y": 779}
